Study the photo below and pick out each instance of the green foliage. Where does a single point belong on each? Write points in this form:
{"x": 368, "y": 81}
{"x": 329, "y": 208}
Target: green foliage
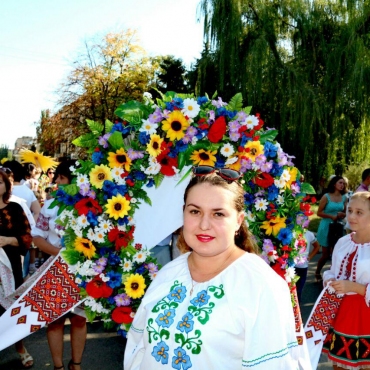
{"x": 354, "y": 172}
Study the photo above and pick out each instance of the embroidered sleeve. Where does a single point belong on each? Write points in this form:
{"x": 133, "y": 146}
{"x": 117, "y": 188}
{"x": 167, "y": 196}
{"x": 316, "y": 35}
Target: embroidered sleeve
{"x": 42, "y": 222}
{"x": 367, "y": 295}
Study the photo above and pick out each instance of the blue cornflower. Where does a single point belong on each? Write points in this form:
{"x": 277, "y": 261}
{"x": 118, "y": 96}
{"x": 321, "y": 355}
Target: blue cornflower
{"x": 140, "y": 270}
{"x": 270, "y": 150}
{"x": 178, "y": 103}
{"x": 121, "y": 189}
{"x": 273, "y": 192}
{"x": 285, "y": 236}
{"x": 220, "y": 161}
{"x": 244, "y": 140}
{"x": 103, "y": 251}
{"x": 97, "y": 157}
{"x": 139, "y": 175}
{"x": 170, "y": 106}
{"x": 144, "y": 138}
{"x": 69, "y": 200}
{"x": 114, "y": 259}
{"x": 111, "y": 299}
{"x": 165, "y": 319}
{"x": 201, "y": 299}
{"x": 177, "y": 294}
{"x": 93, "y": 220}
{"x": 248, "y": 199}
{"x": 123, "y": 333}
{"x": 181, "y": 146}
{"x": 160, "y": 352}
{"x": 181, "y": 359}
{"x": 276, "y": 170}
{"x": 109, "y": 187}
{"x": 150, "y": 183}
{"x": 202, "y": 99}
{"x": 122, "y": 221}
{"x": 117, "y": 127}
{"x": 186, "y": 324}
{"x": 115, "y": 279}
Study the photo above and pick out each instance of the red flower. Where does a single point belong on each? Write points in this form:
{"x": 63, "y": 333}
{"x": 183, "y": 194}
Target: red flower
{"x": 97, "y": 288}
{"x": 217, "y": 130}
{"x": 263, "y": 179}
{"x": 129, "y": 182}
{"x": 277, "y": 268}
{"x": 85, "y": 205}
{"x": 167, "y": 164}
{"x": 120, "y": 238}
{"x": 121, "y": 315}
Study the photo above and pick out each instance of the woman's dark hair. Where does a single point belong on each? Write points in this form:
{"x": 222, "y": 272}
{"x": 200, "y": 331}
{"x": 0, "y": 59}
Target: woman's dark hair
{"x": 63, "y": 169}
{"x": 28, "y": 168}
{"x": 332, "y": 182}
{"x": 8, "y": 185}
{"x": 243, "y": 238}
{"x": 16, "y": 168}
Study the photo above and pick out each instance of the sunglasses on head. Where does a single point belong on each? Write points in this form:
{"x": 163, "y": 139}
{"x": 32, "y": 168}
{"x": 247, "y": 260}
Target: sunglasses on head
{"x": 7, "y": 170}
{"x": 226, "y": 173}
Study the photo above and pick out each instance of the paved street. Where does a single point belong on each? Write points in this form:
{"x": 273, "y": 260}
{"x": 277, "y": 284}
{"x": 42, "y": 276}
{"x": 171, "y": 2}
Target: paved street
{"x": 104, "y": 351}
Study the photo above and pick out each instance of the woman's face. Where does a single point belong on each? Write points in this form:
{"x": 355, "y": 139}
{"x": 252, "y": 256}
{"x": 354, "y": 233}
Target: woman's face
{"x": 339, "y": 185}
{"x": 2, "y": 187}
{"x": 358, "y": 214}
{"x": 61, "y": 180}
{"x": 210, "y": 219}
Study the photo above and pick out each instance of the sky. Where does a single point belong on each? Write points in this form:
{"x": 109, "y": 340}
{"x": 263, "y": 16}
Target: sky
{"x": 40, "y": 39}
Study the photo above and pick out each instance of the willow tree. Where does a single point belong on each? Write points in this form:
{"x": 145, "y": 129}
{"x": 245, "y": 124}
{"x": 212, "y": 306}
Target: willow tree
{"x": 304, "y": 65}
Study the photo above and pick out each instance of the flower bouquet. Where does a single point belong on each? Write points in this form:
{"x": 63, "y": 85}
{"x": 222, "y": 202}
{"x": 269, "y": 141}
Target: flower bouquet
{"x": 152, "y": 140}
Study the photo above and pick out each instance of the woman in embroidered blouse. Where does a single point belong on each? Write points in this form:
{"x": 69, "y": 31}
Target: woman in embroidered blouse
{"x": 332, "y": 207}
{"x": 348, "y": 343}
{"x": 46, "y": 238}
{"x": 15, "y": 240}
{"x": 218, "y": 306}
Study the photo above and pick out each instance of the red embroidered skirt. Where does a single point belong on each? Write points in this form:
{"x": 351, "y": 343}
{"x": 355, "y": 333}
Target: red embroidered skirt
{"x": 348, "y": 340}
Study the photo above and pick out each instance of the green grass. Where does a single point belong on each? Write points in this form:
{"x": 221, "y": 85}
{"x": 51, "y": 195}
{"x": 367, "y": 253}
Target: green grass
{"x": 314, "y": 219}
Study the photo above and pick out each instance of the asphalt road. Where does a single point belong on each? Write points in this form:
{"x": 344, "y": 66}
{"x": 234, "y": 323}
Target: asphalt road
{"x": 104, "y": 351}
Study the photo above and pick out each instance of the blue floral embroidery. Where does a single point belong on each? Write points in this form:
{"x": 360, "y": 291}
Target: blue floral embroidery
{"x": 181, "y": 360}
{"x": 165, "y": 319}
{"x": 201, "y": 299}
{"x": 160, "y": 352}
{"x": 187, "y": 324}
{"x": 178, "y": 294}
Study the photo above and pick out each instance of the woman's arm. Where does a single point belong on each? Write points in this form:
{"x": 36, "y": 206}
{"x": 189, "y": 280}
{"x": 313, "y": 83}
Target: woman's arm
{"x": 346, "y": 286}
{"x": 8, "y": 240}
{"x": 316, "y": 247}
{"x": 35, "y": 209}
{"x": 45, "y": 246}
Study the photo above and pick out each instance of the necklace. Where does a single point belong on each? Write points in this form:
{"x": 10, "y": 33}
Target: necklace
{"x": 214, "y": 273}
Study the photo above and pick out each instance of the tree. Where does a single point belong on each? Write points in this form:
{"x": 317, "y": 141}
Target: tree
{"x": 172, "y": 76}
{"x": 4, "y": 150}
{"x": 305, "y": 66}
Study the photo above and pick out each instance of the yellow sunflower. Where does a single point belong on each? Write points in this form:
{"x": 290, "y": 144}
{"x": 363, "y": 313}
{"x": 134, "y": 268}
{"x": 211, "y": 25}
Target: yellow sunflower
{"x": 119, "y": 159}
{"x": 204, "y": 157}
{"x": 255, "y": 149}
{"x": 99, "y": 174}
{"x": 175, "y": 125}
{"x": 274, "y": 225}
{"x": 38, "y": 159}
{"x": 293, "y": 171}
{"x": 154, "y": 146}
{"x": 135, "y": 286}
{"x": 85, "y": 246}
{"x": 117, "y": 207}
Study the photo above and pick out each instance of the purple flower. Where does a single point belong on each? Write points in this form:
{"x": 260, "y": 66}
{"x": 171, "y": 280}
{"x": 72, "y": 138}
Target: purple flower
{"x": 241, "y": 116}
{"x": 218, "y": 103}
{"x": 234, "y": 135}
{"x": 234, "y": 126}
{"x": 135, "y": 154}
{"x": 295, "y": 188}
{"x": 152, "y": 267}
{"x": 156, "y": 116}
{"x": 266, "y": 167}
{"x": 84, "y": 189}
{"x": 98, "y": 268}
{"x": 245, "y": 164}
{"x": 102, "y": 261}
{"x": 211, "y": 116}
{"x": 122, "y": 300}
{"x": 103, "y": 140}
{"x": 260, "y": 160}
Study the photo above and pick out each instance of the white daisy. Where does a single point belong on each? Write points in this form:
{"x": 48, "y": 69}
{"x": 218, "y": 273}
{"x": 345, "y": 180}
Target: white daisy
{"x": 153, "y": 274}
{"x": 99, "y": 236}
{"x": 104, "y": 277}
{"x": 280, "y": 183}
{"x": 82, "y": 221}
{"x": 78, "y": 232}
{"x": 261, "y": 204}
{"x": 280, "y": 200}
{"x": 289, "y": 274}
{"x": 285, "y": 175}
{"x": 227, "y": 150}
{"x": 251, "y": 122}
{"x": 82, "y": 179}
{"x": 90, "y": 234}
{"x": 154, "y": 167}
{"x": 250, "y": 216}
{"x": 105, "y": 225}
{"x": 191, "y": 108}
{"x": 126, "y": 265}
{"x": 140, "y": 256}
{"x": 149, "y": 127}
{"x": 116, "y": 173}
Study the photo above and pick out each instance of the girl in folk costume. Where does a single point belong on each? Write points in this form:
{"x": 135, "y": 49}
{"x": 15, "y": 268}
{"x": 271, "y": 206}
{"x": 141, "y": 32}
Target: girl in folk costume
{"x": 348, "y": 340}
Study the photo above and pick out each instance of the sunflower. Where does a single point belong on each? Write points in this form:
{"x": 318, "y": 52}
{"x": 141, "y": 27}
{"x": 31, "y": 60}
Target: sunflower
{"x": 117, "y": 207}
{"x": 135, "y": 286}
{"x": 38, "y": 159}
{"x": 85, "y": 246}
{"x": 119, "y": 159}
{"x": 255, "y": 149}
{"x": 274, "y": 225}
{"x": 175, "y": 125}
{"x": 293, "y": 171}
{"x": 154, "y": 146}
{"x": 99, "y": 174}
{"x": 204, "y": 157}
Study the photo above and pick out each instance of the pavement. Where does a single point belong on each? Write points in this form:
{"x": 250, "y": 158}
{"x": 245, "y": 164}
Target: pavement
{"x": 104, "y": 350}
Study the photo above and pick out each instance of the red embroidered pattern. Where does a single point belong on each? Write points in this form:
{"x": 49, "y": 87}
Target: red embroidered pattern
{"x": 42, "y": 222}
{"x": 54, "y": 294}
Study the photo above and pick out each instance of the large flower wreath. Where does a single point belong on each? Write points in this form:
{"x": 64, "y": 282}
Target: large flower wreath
{"x": 156, "y": 139}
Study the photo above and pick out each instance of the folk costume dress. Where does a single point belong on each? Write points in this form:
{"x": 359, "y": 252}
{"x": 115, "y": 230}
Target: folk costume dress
{"x": 240, "y": 319}
{"x": 13, "y": 223}
{"x": 331, "y": 208}
{"x": 348, "y": 340}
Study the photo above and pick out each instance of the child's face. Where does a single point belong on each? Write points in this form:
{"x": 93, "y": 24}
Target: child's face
{"x": 358, "y": 214}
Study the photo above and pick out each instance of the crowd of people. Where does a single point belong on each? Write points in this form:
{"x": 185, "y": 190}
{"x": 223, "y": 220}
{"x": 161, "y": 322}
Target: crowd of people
{"x": 218, "y": 286}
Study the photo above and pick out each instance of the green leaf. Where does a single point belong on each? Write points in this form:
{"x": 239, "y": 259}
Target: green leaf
{"x": 71, "y": 256}
{"x": 247, "y": 109}
{"x": 71, "y": 189}
{"x": 133, "y": 112}
{"x": 54, "y": 203}
{"x": 88, "y": 140}
{"x": 141, "y": 194}
{"x": 236, "y": 102}
{"x": 170, "y": 94}
{"x": 158, "y": 178}
{"x": 108, "y": 126}
{"x": 90, "y": 315}
{"x": 95, "y": 127}
{"x": 269, "y": 135}
{"x": 116, "y": 140}
{"x": 214, "y": 95}
{"x": 182, "y": 160}
{"x": 185, "y": 176}
{"x": 307, "y": 188}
